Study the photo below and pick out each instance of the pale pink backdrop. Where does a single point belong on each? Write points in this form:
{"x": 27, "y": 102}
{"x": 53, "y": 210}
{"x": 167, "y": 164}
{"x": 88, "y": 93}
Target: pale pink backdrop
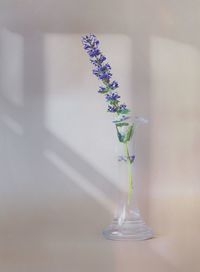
{"x": 58, "y": 176}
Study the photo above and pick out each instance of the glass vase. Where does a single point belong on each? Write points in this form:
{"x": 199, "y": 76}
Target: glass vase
{"x": 127, "y": 223}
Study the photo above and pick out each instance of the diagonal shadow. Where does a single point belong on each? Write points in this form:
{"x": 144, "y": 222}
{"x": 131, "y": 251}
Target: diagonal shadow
{"x": 36, "y": 139}
{"x": 84, "y": 168}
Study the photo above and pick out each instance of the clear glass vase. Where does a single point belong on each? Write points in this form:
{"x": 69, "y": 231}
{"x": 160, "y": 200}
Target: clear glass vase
{"x": 127, "y": 223}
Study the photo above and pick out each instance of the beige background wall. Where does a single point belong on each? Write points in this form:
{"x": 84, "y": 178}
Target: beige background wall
{"x": 57, "y": 170}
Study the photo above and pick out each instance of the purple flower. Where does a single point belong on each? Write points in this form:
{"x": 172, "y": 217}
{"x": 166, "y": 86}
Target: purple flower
{"x": 90, "y": 41}
{"x": 105, "y": 76}
{"x": 101, "y": 58}
{"x": 112, "y": 96}
{"x": 132, "y": 158}
{"x": 102, "y": 90}
{"x": 90, "y": 44}
{"x": 102, "y": 71}
{"x": 125, "y": 158}
{"x": 122, "y": 107}
{"x": 93, "y": 52}
{"x": 112, "y": 108}
{"x": 113, "y": 85}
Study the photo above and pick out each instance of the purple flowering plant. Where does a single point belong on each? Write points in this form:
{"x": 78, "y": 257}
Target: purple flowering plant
{"x": 102, "y": 70}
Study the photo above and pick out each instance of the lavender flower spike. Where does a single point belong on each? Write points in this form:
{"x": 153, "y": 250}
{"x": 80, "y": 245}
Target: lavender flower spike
{"x": 102, "y": 70}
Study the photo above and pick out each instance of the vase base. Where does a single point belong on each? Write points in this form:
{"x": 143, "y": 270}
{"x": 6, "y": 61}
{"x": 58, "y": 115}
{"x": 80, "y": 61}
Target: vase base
{"x": 128, "y": 230}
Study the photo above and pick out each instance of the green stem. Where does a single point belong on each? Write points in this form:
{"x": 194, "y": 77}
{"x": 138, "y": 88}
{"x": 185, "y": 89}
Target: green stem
{"x": 130, "y": 178}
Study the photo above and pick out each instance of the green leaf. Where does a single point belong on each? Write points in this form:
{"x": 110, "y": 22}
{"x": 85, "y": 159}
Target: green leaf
{"x": 114, "y": 102}
{"x": 105, "y": 91}
{"x": 125, "y": 111}
{"x": 125, "y": 137}
{"x": 120, "y": 136}
{"x": 128, "y": 134}
{"x": 122, "y": 124}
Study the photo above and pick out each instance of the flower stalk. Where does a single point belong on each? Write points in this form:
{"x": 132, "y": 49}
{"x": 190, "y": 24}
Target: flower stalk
{"x": 102, "y": 70}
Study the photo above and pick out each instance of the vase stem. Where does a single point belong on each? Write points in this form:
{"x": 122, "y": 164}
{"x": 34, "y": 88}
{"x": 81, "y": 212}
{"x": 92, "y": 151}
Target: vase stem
{"x": 130, "y": 177}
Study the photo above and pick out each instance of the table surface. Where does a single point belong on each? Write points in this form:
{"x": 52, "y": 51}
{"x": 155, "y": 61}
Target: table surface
{"x": 67, "y": 237}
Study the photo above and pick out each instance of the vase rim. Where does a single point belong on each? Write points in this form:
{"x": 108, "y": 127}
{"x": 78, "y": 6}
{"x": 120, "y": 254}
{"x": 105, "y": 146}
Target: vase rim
{"x": 133, "y": 120}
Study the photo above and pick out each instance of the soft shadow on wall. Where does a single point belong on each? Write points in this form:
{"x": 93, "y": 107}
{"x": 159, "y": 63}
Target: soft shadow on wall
{"x": 44, "y": 180}
{"x": 43, "y": 118}
{"x": 56, "y": 93}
